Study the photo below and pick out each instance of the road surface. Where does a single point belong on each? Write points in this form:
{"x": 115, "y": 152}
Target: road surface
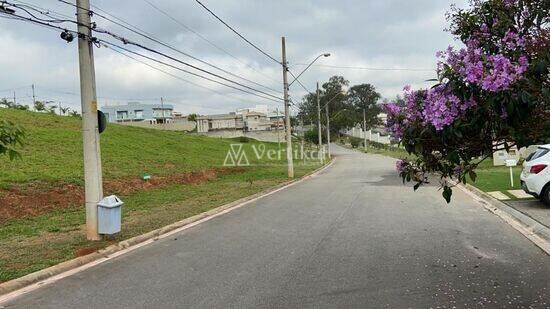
{"x": 352, "y": 237}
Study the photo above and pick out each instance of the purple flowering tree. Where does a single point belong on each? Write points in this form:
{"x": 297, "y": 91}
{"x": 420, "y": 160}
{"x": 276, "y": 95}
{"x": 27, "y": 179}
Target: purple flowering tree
{"x": 491, "y": 94}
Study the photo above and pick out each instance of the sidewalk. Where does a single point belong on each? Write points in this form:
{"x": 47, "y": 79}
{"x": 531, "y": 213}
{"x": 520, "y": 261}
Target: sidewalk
{"x": 533, "y": 208}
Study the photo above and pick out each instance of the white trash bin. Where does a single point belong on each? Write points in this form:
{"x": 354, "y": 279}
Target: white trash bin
{"x": 109, "y": 215}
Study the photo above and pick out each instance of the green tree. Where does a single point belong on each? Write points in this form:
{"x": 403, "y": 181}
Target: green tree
{"x": 365, "y": 98}
{"x": 6, "y": 103}
{"x": 192, "y": 117}
{"x": 64, "y": 110}
{"x": 334, "y": 97}
{"x": 39, "y": 106}
{"x": 11, "y": 137}
{"x": 51, "y": 109}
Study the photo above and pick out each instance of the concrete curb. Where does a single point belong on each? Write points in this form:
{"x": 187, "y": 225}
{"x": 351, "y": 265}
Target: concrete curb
{"x": 536, "y": 232}
{"x": 25, "y": 284}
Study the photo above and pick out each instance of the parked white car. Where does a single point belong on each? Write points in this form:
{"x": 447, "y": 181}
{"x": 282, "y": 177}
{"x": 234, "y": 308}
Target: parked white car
{"x": 535, "y": 177}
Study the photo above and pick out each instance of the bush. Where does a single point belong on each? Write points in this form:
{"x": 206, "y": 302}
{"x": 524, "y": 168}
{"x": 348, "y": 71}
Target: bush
{"x": 356, "y": 142}
{"x": 312, "y": 136}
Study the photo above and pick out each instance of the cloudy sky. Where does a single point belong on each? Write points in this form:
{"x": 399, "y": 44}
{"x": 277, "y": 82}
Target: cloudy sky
{"x": 376, "y": 34}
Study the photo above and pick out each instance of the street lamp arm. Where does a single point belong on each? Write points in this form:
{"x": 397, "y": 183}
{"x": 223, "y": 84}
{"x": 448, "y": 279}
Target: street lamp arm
{"x": 296, "y": 78}
{"x": 332, "y": 99}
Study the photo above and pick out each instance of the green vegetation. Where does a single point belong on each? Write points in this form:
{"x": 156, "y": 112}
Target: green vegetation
{"x": 376, "y": 148}
{"x": 51, "y": 161}
{"x": 495, "y": 178}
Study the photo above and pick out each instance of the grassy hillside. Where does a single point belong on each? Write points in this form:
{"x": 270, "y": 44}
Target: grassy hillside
{"x": 53, "y": 151}
{"x": 41, "y": 196}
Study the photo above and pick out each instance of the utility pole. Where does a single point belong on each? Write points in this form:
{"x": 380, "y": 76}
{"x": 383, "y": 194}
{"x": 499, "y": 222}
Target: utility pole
{"x": 278, "y": 133}
{"x": 14, "y": 99}
{"x": 319, "y": 118}
{"x": 33, "y": 96}
{"x": 328, "y": 133}
{"x": 93, "y": 180}
{"x": 162, "y": 108}
{"x": 365, "y": 127}
{"x": 287, "y": 114}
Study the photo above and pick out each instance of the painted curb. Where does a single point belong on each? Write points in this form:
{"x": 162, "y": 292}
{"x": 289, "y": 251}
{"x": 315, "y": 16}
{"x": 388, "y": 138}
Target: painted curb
{"x": 536, "y": 232}
{"x": 30, "y": 282}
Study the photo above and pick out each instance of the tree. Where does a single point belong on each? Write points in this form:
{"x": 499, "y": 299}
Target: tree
{"x": 365, "y": 98}
{"x": 13, "y": 105}
{"x": 490, "y": 95}
{"x": 39, "y": 106}
{"x": 192, "y": 117}
{"x": 11, "y": 136}
{"x": 64, "y": 110}
{"x": 74, "y": 114}
{"x": 334, "y": 97}
{"x": 6, "y": 103}
{"x": 51, "y": 109}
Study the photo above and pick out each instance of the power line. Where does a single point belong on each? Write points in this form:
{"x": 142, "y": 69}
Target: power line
{"x": 150, "y": 37}
{"x": 47, "y": 11}
{"x": 109, "y": 44}
{"x": 167, "y": 73}
{"x": 126, "y": 41}
{"x": 298, "y": 81}
{"x": 177, "y": 21}
{"x": 367, "y": 68}
{"x": 237, "y": 33}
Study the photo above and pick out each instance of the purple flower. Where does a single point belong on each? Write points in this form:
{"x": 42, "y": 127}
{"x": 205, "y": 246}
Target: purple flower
{"x": 492, "y": 73}
{"x": 442, "y": 108}
{"x": 400, "y": 166}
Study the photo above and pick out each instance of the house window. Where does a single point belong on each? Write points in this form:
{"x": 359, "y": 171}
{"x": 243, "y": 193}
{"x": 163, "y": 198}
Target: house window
{"x": 139, "y": 114}
{"x": 121, "y": 115}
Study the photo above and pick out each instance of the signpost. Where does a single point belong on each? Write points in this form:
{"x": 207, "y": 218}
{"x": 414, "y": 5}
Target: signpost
{"x": 511, "y": 163}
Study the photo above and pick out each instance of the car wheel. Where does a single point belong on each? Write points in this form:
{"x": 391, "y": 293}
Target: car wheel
{"x": 545, "y": 195}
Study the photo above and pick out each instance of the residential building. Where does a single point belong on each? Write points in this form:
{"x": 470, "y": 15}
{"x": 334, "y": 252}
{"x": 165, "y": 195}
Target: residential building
{"x": 255, "y": 121}
{"x": 231, "y": 121}
{"x": 138, "y": 112}
{"x": 258, "y": 118}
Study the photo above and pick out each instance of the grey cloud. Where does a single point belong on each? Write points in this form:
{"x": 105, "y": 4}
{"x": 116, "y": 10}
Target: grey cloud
{"x": 375, "y": 33}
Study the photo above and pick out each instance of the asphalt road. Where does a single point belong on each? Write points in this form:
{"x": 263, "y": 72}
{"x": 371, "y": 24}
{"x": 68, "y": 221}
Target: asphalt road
{"x": 353, "y": 237}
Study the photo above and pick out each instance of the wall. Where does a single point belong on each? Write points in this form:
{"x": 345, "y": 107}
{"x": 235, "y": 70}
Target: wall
{"x": 371, "y": 136}
{"x": 173, "y": 126}
{"x": 264, "y": 136}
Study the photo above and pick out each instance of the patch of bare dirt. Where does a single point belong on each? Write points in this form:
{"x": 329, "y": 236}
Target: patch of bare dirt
{"x": 38, "y": 198}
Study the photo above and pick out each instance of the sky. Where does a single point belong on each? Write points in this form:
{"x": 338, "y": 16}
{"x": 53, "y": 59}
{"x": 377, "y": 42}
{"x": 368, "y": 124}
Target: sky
{"x": 374, "y": 34}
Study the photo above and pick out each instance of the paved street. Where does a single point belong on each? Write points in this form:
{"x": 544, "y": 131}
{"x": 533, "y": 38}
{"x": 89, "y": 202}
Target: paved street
{"x": 353, "y": 237}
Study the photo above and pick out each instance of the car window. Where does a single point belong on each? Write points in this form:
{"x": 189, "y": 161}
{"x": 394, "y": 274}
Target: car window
{"x": 537, "y": 154}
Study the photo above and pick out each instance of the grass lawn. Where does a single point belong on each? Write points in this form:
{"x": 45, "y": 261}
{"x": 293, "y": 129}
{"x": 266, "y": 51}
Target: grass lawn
{"x": 496, "y": 178}
{"x": 52, "y": 160}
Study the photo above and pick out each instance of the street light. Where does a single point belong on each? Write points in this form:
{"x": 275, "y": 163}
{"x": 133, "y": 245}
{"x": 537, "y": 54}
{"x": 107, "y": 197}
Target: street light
{"x": 328, "y": 122}
{"x": 312, "y": 62}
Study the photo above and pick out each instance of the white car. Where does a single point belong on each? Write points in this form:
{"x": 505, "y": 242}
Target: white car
{"x": 535, "y": 177}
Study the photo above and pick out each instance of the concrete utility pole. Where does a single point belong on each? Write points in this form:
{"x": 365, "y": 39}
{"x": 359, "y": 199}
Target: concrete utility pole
{"x": 287, "y": 114}
{"x": 93, "y": 180}
{"x": 33, "y": 96}
{"x": 328, "y": 133}
{"x": 278, "y": 132}
{"x": 319, "y": 118}
{"x": 365, "y": 128}
{"x": 162, "y": 108}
